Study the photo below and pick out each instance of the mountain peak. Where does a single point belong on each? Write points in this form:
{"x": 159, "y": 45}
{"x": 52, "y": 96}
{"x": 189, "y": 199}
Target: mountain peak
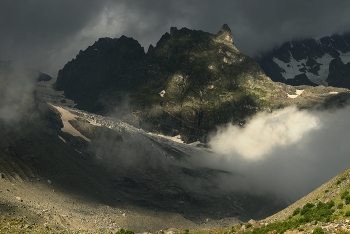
{"x": 225, "y": 34}
{"x": 225, "y": 28}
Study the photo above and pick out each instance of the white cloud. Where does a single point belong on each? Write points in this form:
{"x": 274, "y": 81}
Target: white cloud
{"x": 288, "y": 153}
{"x": 264, "y": 133}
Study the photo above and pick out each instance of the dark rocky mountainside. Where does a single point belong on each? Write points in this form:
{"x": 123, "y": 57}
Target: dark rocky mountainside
{"x": 104, "y": 65}
{"x": 300, "y": 79}
{"x": 120, "y": 177}
{"x": 308, "y": 57}
{"x": 112, "y": 175}
{"x": 339, "y": 74}
{"x": 189, "y": 83}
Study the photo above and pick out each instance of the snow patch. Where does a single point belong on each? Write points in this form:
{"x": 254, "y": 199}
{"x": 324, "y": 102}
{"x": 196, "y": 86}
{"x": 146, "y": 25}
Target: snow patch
{"x": 174, "y": 138}
{"x": 291, "y": 69}
{"x": 345, "y": 57}
{"x": 162, "y": 93}
{"x": 62, "y": 139}
{"x": 323, "y": 72}
{"x": 66, "y": 116}
{"x": 297, "y": 93}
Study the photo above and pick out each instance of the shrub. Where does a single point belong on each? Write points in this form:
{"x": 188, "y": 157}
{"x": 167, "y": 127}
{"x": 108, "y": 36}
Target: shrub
{"x": 347, "y": 199}
{"x": 330, "y": 204}
{"x": 347, "y": 213}
{"x": 306, "y": 208}
{"x": 296, "y": 211}
{"x": 122, "y": 231}
{"x": 318, "y": 230}
{"x": 340, "y": 206}
{"x": 308, "y": 205}
{"x": 279, "y": 227}
{"x": 322, "y": 212}
{"x": 344, "y": 194}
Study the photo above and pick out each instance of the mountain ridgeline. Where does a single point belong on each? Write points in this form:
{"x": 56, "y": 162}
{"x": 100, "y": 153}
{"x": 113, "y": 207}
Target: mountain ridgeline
{"x": 189, "y": 83}
{"x": 310, "y": 61}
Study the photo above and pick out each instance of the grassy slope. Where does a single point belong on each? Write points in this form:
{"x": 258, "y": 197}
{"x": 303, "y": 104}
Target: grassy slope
{"x": 330, "y": 203}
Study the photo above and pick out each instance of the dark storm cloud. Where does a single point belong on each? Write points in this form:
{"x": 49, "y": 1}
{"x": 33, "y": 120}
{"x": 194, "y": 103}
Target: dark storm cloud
{"x": 32, "y": 31}
{"x": 256, "y": 25}
{"x": 47, "y": 34}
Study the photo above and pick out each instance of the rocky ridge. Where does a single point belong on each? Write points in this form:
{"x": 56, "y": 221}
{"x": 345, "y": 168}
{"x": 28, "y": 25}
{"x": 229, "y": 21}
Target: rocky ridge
{"x": 339, "y": 74}
{"x": 189, "y": 83}
{"x": 309, "y": 57}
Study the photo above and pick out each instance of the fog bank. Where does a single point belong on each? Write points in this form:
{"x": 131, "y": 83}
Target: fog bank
{"x": 287, "y": 152}
{"x": 16, "y": 90}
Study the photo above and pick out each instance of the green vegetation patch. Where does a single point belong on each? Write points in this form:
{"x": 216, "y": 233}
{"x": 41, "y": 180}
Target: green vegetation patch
{"x": 322, "y": 212}
{"x": 318, "y": 230}
{"x": 279, "y": 227}
{"x": 123, "y": 231}
{"x": 309, "y": 212}
{"x": 344, "y": 194}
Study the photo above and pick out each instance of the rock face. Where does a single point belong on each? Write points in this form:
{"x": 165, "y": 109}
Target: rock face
{"x": 101, "y": 67}
{"x": 43, "y": 77}
{"x": 300, "y": 79}
{"x": 309, "y": 56}
{"x": 189, "y": 83}
{"x": 339, "y": 74}
{"x": 204, "y": 80}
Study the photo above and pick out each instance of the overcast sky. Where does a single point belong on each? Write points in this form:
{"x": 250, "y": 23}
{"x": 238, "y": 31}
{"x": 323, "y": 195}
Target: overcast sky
{"x": 46, "y": 34}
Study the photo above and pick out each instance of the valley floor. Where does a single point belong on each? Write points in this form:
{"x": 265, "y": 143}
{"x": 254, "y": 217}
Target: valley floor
{"x": 41, "y": 203}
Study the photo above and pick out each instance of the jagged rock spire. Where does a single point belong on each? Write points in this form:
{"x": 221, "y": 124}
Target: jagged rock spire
{"x": 225, "y": 34}
{"x": 225, "y": 28}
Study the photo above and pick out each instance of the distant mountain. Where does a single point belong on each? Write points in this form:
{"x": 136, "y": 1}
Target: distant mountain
{"x": 309, "y": 57}
{"x": 300, "y": 79}
{"x": 189, "y": 83}
{"x": 43, "y": 77}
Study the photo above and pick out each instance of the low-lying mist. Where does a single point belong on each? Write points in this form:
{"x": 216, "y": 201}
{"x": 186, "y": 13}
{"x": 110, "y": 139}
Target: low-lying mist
{"x": 288, "y": 152}
{"x": 16, "y": 90}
